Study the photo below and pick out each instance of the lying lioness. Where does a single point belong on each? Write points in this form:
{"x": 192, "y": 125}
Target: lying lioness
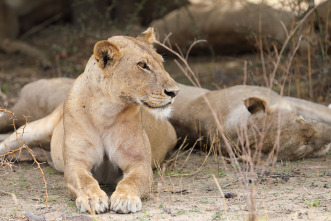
{"x": 251, "y": 117}
{"x": 105, "y": 132}
{"x": 304, "y": 126}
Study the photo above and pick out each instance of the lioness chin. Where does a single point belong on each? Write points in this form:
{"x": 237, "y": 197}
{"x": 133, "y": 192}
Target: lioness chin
{"x": 105, "y": 132}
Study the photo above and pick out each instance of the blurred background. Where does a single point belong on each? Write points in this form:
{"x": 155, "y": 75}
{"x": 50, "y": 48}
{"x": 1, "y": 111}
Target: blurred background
{"x": 280, "y": 44}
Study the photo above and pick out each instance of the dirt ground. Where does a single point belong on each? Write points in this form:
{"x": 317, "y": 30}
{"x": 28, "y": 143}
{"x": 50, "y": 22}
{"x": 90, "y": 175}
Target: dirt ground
{"x": 299, "y": 190}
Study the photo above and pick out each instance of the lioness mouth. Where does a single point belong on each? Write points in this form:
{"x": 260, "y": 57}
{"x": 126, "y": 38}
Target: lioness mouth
{"x": 159, "y": 107}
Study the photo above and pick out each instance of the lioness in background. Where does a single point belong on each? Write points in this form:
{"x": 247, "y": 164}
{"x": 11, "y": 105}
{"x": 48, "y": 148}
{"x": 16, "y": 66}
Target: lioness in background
{"x": 110, "y": 127}
{"x": 251, "y": 117}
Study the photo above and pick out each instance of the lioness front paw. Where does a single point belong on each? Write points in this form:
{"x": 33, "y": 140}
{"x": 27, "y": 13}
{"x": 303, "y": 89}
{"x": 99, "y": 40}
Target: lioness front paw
{"x": 96, "y": 203}
{"x": 122, "y": 203}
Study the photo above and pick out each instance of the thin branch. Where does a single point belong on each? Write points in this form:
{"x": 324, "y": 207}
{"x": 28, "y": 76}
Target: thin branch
{"x": 22, "y": 146}
{"x": 293, "y": 31}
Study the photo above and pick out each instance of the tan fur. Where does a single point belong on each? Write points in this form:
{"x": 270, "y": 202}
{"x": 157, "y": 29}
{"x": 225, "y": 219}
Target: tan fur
{"x": 105, "y": 131}
{"x": 226, "y": 25}
{"x": 36, "y": 100}
{"x": 192, "y": 117}
{"x": 244, "y": 111}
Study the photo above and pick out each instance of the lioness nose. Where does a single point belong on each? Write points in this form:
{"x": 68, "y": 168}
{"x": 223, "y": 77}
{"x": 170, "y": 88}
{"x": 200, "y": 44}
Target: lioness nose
{"x": 171, "y": 93}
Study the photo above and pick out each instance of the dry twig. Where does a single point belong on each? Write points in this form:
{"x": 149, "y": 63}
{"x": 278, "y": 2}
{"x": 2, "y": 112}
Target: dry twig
{"x": 19, "y": 139}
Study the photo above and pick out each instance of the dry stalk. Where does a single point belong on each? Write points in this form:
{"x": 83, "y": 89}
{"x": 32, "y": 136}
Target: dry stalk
{"x": 326, "y": 35}
{"x": 195, "y": 81}
{"x": 309, "y": 67}
{"x": 173, "y": 158}
{"x": 245, "y": 72}
{"x": 272, "y": 157}
{"x": 12, "y": 195}
{"x": 287, "y": 71}
{"x": 195, "y": 172}
{"x": 22, "y": 146}
{"x": 222, "y": 195}
{"x": 190, "y": 74}
{"x": 289, "y": 37}
{"x": 229, "y": 146}
{"x": 259, "y": 43}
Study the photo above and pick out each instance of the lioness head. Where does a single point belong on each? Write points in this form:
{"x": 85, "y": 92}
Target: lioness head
{"x": 133, "y": 72}
{"x": 284, "y": 132}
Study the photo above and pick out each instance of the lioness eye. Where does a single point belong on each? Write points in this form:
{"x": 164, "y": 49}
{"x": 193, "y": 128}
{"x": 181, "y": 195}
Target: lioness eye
{"x": 143, "y": 65}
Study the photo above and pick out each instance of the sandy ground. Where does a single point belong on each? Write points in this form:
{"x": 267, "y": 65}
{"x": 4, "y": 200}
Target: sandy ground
{"x": 299, "y": 190}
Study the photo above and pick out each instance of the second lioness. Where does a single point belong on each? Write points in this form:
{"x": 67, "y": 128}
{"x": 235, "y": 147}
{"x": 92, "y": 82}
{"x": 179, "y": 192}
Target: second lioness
{"x": 258, "y": 122}
{"x": 106, "y": 125}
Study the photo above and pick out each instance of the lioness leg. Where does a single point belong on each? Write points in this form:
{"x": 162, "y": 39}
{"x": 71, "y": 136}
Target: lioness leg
{"x": 81, "y": 155}
{"x": 138, "y": 176}
{"x": 36, "y": 132}
{"x": 82, "y": 185}
{"x": 126, "y": 198}
{"x": 310, "y": 110}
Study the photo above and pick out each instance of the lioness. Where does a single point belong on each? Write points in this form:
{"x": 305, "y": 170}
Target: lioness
{"x": 251, "y": 117}
{"x": 305, "y": 126}
{"x": 106, "y": 131}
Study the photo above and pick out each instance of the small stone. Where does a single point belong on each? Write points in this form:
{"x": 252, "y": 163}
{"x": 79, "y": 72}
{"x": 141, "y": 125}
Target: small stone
{"x": 229, "y": 195}
{"x": 33, "y": 217}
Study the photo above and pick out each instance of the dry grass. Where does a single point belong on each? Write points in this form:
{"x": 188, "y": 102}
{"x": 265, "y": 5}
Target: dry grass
{"x": 281, "y": 63}
{"x": 7, "y": 160}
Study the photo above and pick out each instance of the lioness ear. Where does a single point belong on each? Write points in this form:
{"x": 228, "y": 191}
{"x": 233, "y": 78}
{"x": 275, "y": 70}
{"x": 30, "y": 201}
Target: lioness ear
{"x": 148, "y": 36}
{"x": 106, "y": 53}
{"x": 255, "y": 104}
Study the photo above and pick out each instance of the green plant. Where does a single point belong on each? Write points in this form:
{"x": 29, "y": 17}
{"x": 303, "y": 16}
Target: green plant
{"x": 25, "y": 185}
{"x": 175, "y": 173}
{"x": 5, "y": 88}
{"x": 220, "y": 173}
{"x": 217, "y": 216}
{"x": 51, "y": 171}
{"x": 314, "y": 203}
{"x": 181, "y": 211}
{"x": 142, "y": 218}
{"x": 21, "y": 178}
{"x": 71, "y": 204}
